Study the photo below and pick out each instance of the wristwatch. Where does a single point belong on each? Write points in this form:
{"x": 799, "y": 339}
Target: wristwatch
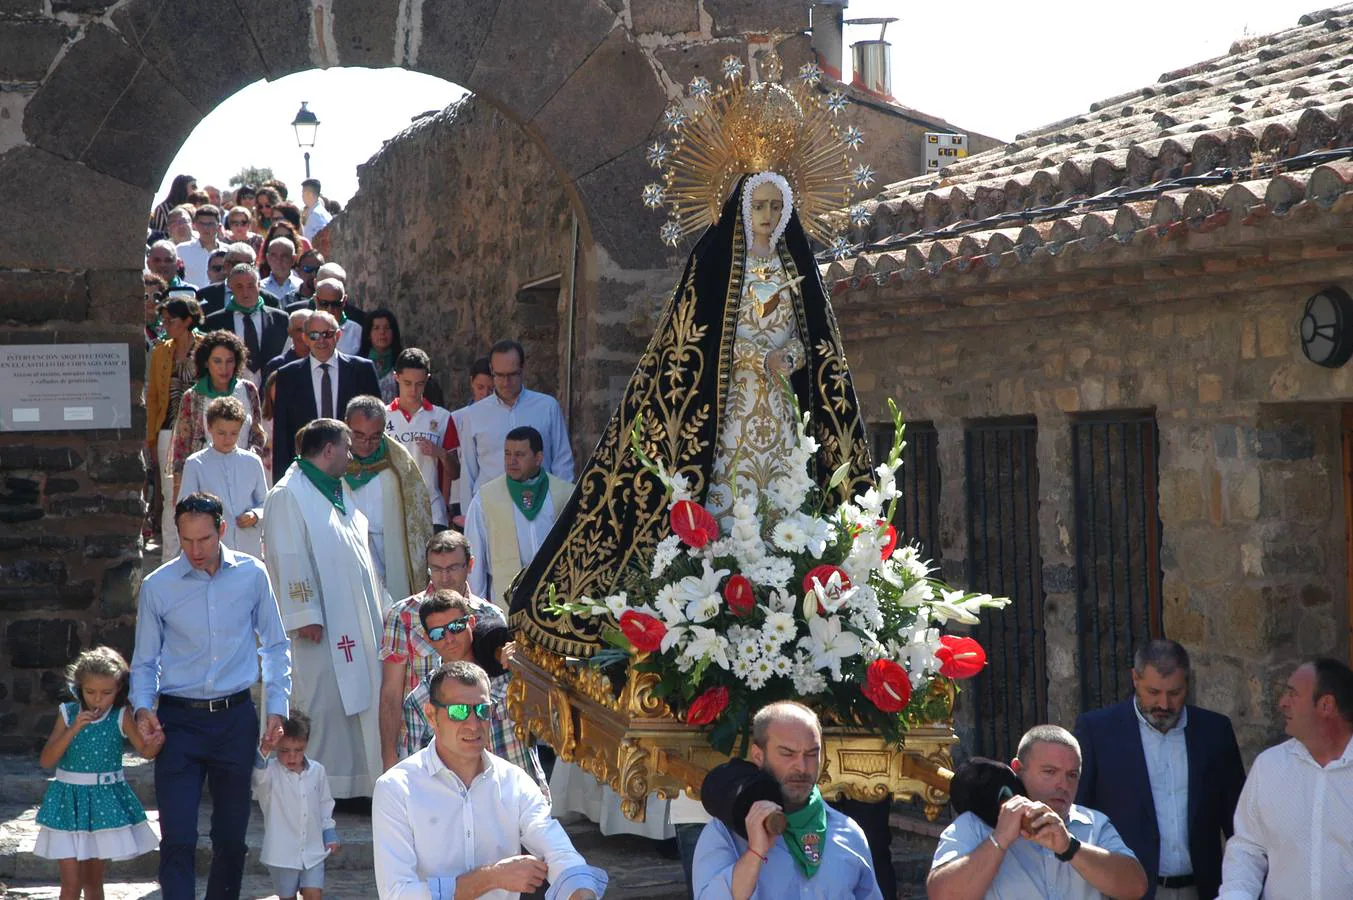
{"x": 1072, "y": 846}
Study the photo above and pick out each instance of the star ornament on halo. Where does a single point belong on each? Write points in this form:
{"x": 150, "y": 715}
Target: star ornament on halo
{"x": 840, "y": 247}
{"x": 732, "y": 68}
{"x": 836, "y": 102}
{"x": 858, "y": 215}
{"x": 863, "y": 175}
{"x": 658, "y": 153}
{"x": 653, "y": 195}
{"x": 853, "y": 137}
{"x": 675, "y": 118}
{"x": 700, "y": 88}
{"x": 810, "y": 73}
{"x": 671, "y": 232}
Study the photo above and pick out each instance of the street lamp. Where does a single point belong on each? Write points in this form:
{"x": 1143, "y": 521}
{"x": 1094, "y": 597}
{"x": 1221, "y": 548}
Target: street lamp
{"x": 306, "y": 125}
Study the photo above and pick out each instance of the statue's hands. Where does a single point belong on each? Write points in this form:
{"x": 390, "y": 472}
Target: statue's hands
{"x": 783, "y": 362}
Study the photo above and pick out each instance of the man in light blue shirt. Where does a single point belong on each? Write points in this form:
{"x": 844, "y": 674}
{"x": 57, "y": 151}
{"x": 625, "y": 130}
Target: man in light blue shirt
{"x": 1043, "y": 845}
{"x": 821, "y": 854}
{"x": 204, "y": 619}
{"x": 484, "y": 425}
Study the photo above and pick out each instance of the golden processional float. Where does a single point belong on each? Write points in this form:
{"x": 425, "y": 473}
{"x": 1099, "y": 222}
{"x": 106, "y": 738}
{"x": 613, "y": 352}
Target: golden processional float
{"x": 808, "y": 594}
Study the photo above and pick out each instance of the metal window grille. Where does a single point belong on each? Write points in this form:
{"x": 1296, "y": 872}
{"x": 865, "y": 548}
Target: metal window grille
{"x": 1004, "y": 560}
{"x": 917, "y": 517}
{"x": 1118, "y": 574}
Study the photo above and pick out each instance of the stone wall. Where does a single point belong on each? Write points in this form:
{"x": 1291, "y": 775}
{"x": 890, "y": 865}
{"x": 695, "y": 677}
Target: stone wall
{"x": 1250, "y": 483}
{"x": 451, "y": 218}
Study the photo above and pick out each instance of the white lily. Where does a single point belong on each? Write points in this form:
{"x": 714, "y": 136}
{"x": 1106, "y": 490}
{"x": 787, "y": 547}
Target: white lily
{"x": 698, "y": 587}
{"x": 828, "y": 644}
{"x": 833, "y": 595}
{"x": 952, "y": 606}
{"x": 707, "y": 643}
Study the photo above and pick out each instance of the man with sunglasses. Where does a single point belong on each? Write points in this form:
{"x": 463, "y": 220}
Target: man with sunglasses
{"x": 407, "y": 657}
{"x": 455, "y": 633}
{"x": 332, "y": 297}
{"x": 204, "y": 621}
{"x": 451, "y": 820}
{"x": 196, "y": 253}
{"x": 320, "y": 385}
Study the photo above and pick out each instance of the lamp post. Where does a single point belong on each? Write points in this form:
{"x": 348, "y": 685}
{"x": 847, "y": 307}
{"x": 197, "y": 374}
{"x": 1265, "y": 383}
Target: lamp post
{"x": 306, "y": 125}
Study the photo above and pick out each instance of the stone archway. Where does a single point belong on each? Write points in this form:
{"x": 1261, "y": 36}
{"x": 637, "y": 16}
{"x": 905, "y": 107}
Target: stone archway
{"x": 96, "y": 96}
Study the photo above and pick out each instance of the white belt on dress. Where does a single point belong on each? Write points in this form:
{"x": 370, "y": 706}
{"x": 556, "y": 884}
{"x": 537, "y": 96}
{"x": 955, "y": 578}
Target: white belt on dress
{"x": 67, "y": 777}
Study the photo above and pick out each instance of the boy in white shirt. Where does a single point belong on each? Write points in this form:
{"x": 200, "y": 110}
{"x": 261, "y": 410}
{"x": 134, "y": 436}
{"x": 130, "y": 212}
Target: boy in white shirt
{"x": 233, "y": 475}
{"x": 298, "y": 813}
{"x": 425, "y": 430}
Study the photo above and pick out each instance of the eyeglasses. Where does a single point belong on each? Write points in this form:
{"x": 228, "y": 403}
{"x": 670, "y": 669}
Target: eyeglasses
{"x": 506, "y": 376}
{"x": 448, "y": 570}
{"x": 238, "y": 223}
{"x": 329, "y": 304}
{"x": 309, "y": 270}
{"x": 205, "y": 223}
{"x": 459, "y": 712}
{"x": 440, "y": 631}
{"x": 321, "y": 335}
{"x": 200, "y": 503}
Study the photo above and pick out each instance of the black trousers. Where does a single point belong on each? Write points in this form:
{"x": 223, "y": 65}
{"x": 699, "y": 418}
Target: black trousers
{"x": 873, "y": 819}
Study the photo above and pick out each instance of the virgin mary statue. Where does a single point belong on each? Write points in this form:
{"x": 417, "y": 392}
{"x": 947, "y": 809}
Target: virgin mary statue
{"x": 747, "y": 336}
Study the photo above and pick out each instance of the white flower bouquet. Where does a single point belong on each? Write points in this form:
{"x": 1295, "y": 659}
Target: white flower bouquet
{"x": 784, "y": 599}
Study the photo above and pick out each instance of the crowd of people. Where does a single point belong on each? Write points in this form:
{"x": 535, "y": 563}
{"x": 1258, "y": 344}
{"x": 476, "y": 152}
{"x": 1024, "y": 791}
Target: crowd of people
{"x": 323, "y": 511}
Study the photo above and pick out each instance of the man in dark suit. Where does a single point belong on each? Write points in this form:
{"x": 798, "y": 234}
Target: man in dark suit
{"x": 1168, "y": 775}
{"x": 212, "y": 298}
{"x": 263, "y": 328}
{"x": 318, "y": 386}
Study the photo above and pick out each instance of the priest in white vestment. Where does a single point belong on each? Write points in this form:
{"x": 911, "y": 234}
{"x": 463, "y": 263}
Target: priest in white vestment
{"x": 315, "y": 542}
{"x": 390, "y": 491}
{"x": 511, "y": 515}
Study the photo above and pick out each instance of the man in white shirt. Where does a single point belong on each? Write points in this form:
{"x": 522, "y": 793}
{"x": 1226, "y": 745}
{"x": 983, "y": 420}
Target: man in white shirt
{"x": 509, "y": 406}
{"x": 450, "y": 821}
{"x": 425, "y": 430}
{"x": 332, "y": 297}
{"x": 512, "y": 515}
{"x": 1043, "y": 845}
{"x": 196, "y": 253}
{"x": 481, "y": 385}
{"x": 313, "y": 216}
{"x": 1296, "y": 811}
{"x": 281, "y": 280}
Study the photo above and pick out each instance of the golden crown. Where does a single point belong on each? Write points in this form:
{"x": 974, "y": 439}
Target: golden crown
{"x": 743, "y": 127}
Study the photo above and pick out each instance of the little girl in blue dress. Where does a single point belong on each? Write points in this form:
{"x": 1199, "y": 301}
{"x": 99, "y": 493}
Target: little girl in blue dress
{"x": 89, "y": 813}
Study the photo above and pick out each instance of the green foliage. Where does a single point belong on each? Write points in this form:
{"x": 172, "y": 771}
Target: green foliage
{"x": 252, "y": 176}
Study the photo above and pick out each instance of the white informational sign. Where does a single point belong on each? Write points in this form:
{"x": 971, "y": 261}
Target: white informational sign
{"x": 64, "y": 387}
{"x": 943, "y": 149}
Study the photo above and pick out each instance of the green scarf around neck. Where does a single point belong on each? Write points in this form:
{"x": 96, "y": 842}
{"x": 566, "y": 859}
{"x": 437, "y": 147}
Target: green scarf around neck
{"x": 234, "y": 306}
{"x": 529, "y": 495}
{"x": 203, "y": 387}
{"x": 383, "y": 360}
{"x": 364, "y": 468}
{"x": 806, "y": 833}
{"x": 329, "y": 486}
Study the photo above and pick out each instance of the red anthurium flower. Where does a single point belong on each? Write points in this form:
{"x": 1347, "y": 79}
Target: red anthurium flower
{"x": 823, "y": 574}
{"x": 738, "y": 592}
{"x": 889, "y": 540}
{"x": 960, "y": 657}
{"x": 708, "y": 706}
{"x": 693, "y": 523}
{"x": 887, "y": 685}
{"x": 644, "y": 631}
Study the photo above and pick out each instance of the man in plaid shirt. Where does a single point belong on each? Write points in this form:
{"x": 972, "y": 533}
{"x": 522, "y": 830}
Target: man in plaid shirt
{"x": 455, "y": 633}
{"x": 406, "y": 656}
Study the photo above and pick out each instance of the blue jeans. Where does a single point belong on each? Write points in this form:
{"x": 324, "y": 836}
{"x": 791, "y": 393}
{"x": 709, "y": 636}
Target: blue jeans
{"x": 218, "y": 748}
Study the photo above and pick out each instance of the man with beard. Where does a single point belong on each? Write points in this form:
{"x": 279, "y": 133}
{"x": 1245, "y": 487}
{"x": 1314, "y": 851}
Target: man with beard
{"x": 1168, "y": 775}
{"x": 1043, "y": 845}
{"x": 821, "y": 853}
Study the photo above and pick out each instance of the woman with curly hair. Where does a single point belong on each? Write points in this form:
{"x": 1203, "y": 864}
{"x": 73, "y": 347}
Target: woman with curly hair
{"x": 220, "y": 357}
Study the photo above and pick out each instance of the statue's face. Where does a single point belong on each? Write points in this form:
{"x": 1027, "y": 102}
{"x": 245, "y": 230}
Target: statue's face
{"x": 767, "y": 206}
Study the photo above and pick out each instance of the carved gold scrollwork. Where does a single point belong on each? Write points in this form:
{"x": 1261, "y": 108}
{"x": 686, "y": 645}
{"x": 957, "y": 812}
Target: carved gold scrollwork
{"x": 633, "y": 783}
{"x": 561, "y": 723}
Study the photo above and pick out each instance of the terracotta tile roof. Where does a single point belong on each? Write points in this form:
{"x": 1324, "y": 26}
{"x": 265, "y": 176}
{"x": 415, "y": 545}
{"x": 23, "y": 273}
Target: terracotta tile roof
{"x": 1191, "y": 151}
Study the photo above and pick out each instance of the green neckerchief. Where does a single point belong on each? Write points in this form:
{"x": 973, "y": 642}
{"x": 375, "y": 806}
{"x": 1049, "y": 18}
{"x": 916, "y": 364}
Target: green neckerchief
{"x": 204, "y": 388}
{"x": 234, "y": 306}
{"x": 529, "y": 495}
{"x": 806, "y": 832}
{"x": 329, "y": 486}
{"x": 364, "y": 468}
{"x": 384, "y": 360}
